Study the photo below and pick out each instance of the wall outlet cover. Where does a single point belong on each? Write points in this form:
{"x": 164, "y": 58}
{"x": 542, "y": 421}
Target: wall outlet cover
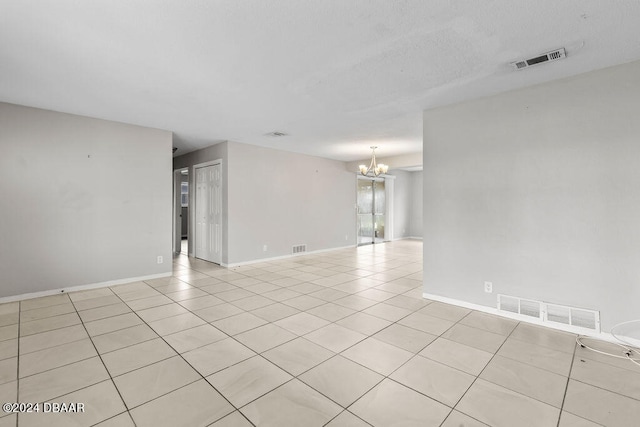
{"x": 488, "y": 287}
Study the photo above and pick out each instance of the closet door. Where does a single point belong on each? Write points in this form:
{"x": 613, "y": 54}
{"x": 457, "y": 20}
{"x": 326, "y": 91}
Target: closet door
{"x": 208, "y": 199}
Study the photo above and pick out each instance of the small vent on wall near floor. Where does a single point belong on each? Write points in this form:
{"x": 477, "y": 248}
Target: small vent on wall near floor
{"x": 520, "y": 306}
{"x": 572, "y": 317}
{"x": 299, "y": 249}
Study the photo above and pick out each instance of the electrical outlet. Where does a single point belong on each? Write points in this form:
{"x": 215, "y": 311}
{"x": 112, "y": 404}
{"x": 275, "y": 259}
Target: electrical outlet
{"x": 346, "y": 237}
{"x": 160, "y": 260}
{"x": 488, "y": 287}
{"x": 264, "y": 248}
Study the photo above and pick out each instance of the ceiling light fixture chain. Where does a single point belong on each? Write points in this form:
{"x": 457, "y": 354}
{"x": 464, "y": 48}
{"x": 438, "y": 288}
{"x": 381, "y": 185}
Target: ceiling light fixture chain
{"x": 374, "y": 168}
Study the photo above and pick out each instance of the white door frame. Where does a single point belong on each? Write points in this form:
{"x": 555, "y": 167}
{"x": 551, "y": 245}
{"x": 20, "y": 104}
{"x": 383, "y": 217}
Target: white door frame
{"x": 193, "y": 207}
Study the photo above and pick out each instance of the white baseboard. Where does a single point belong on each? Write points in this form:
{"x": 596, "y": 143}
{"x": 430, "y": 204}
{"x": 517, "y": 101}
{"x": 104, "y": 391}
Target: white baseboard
{"x": 256, "y": 261}
{"x": 81, "y": 287}
{"x": 605, "y": 336}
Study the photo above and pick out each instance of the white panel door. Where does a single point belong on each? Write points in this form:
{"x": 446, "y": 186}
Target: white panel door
{"x": 208, "y": 237}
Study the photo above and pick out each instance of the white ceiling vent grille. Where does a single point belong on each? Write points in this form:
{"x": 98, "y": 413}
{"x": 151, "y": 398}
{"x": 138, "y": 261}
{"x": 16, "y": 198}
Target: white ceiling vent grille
{"x": 299, "y": 249}
{"x": 545, "y": 57}
{"x": 276, "y": 134}
{"x": 575, "y": 319}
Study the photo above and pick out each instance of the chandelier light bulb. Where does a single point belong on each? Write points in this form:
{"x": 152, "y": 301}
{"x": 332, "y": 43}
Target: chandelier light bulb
{"x": 375, "y": 168}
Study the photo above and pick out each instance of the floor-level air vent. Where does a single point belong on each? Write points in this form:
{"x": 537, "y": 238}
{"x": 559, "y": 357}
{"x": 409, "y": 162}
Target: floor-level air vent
{"x": 578, "y": 317}
{"x": 521, "y": 306}
{"x": 298, "y": 249}
{"x": 573, "y": 318}
{"x": 545, "y": 57}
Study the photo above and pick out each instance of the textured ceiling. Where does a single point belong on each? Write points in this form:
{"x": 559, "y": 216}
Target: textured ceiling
{"x": 336, "y": 75}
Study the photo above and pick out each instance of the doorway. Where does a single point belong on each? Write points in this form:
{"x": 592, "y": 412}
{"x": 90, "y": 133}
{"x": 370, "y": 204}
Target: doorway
{"x": 180, "y": 211}
{"x": 208, "y": 211}
{"x": 371, "y": 205}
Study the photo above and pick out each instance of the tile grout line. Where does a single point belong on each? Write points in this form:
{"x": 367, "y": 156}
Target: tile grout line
{"x": 417, "y": 354}
{"x": 377, "y": 303}
{"x": 324, "y": 361}
{"x": 81, "y": 388}
{"x": 297, "y": 336}
{"x": 325, "y": 302}
{"x": 566, "y": 387}
{"x": 105, "y": 368}
{"x": 189, "y": 364}
{"x": 480, "y": 373}
{"x": 18, "y": 360}
{"x": 178, "y": 302}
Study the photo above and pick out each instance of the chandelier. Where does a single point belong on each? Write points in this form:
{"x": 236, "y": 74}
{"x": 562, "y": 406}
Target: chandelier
{"x": 377, "y": 169}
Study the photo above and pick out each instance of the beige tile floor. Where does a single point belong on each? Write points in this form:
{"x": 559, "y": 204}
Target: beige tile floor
{"x": 342, "y": 338}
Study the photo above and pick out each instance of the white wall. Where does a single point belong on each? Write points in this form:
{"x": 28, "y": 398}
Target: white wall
{"x": 281, "y": 199}
{"x": 84, "y": 200}
{"x": 538, "y": 191}
{"x": 402, "y": 192}
{"x": 416, "y": 204}
{"x": 407, "y": 204}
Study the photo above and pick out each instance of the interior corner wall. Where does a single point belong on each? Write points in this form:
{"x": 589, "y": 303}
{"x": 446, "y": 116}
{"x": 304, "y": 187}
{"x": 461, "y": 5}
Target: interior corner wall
{"x": 407, "y": 209}
{"x": 281, "y": 199}
{"x": 84, "y": 201}
{"x": 538, "y": 191}
{"x": 214, "y": 152}
{"x": 402, "y": 193}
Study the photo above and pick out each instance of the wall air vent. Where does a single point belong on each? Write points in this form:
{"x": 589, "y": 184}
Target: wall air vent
{"x": 299, "y": 249}
{"x": 578, "y": 317}
{"x": 574, "y": 319}
{"x": 545, "y": 57}
{"x": 521, "y": 306}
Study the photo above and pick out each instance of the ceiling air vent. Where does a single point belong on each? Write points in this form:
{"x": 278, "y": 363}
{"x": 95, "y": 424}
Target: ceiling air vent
{"x": 276, "y": 134}
{"x": 545, "y": 57}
